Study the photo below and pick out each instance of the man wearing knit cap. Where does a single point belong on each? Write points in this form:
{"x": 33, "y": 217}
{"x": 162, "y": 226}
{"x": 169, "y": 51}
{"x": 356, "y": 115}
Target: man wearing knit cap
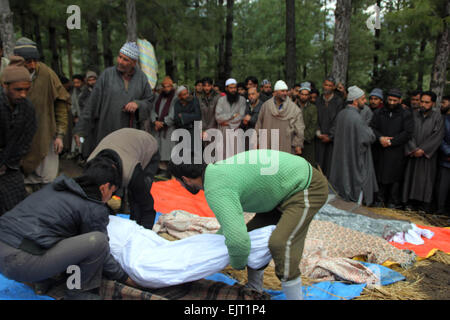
{"x": 230, "y": 111}
{"x": 393, "y": 127}
{"x": 51, "y": 102}
{"x": 121, "y": 98}
{"x": 352, "y": 173}
{"x": 329, "y": 104}
{"x": 376, "y": 99}
{"x": 17, "y": 128}
{"x": 281, "y": 114}
{"x": 162, "y": 125}
{"x": 309, "y": 112}
{"x": 266, "y": 91}
{"x": 187, "y": 114}
{"x": 91, "y": 79}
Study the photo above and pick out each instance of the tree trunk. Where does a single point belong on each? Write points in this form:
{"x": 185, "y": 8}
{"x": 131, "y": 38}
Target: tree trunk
{"x": 93, "y": 57}
{"x": 170, "y": 61}
{"x": 52, "y": 45}
{"x": 341, "y": 40}
{"x": 7, "y": 28}
{"x": 229, "y": 40}
{"x": 291, "y": 57}
{"x": 131, "y": 21}
{"x": 423, "y": 45}
{"x": 37, "y": 36}
{"x": 108, "y": 58}
{"x": 375, "y": 69}
{"x": 197, "y": 66}
{"x": 221, "y": 47}
{"x": 325, "y": 55}
{"x": 69, "y": 53}
{"x": 439, "y": 73}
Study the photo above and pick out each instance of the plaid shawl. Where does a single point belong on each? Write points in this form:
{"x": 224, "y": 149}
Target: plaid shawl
{"x": 197, "y": 290}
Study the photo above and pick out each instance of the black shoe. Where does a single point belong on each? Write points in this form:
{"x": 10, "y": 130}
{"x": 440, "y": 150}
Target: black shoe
{"x": 394, "y": 206}
{"x": 377, "y": 204}
{"x": 81, "y": 295}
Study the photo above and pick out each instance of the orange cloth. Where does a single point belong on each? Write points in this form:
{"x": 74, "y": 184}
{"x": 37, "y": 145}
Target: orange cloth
{"x": 440, "y": 241}
{"x": 171, "y": 195}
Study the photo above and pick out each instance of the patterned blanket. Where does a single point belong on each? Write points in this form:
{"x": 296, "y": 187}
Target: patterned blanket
{"x": 329, "y": 247}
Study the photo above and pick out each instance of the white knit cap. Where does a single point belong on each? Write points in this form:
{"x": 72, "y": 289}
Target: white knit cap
{"x": 180, "y": 89}
{"x": 131, "y": 50}
{"x": 280, "y": 85}
{"x": 354, "y": 93}
{"x": 230, "y": 81}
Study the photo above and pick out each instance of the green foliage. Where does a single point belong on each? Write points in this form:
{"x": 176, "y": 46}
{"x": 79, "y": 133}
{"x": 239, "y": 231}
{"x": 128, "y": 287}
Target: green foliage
{"x": 188, "y": 34}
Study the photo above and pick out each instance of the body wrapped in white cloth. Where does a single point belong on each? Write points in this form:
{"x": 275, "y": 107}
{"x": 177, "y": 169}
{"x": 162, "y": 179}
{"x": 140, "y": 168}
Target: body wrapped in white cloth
{"x": 154, "y": 262}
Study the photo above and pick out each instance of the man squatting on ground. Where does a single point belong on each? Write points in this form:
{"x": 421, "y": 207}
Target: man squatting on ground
{"x": 65, "y": 224}
{"x": 288, "y": 199}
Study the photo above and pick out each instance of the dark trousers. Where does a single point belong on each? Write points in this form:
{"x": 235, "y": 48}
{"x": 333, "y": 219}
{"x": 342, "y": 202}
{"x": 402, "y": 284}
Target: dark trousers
{"x": 443, "y": 191}
{"x": 87, "y": 251}
{"x": 139, "y": 197}
{"x": 390, "y": 193}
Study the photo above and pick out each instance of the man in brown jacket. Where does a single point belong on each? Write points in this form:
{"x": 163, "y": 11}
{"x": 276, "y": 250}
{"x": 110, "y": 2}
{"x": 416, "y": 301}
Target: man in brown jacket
{"x": 51, "y": 102}
{"x": 138, "y": 151}
{"x": 282, "y": 114}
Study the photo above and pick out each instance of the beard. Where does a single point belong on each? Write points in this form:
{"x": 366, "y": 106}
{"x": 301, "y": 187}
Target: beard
{"x": 166, "y": 94}
{"x": 445, "y": 110}
{"x": 392, "y": 106}
{"x": 232, "y": 97}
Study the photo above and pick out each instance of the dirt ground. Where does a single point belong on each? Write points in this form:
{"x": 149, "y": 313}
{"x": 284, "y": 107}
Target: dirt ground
{"x": 426, "y": 280}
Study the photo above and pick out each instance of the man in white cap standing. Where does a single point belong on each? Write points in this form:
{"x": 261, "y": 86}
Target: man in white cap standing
{"x": 230, "y": 110}
{"x": 121, "y": 98}
{"x": 282, "y": 114}
{"x": 352, "y": 171}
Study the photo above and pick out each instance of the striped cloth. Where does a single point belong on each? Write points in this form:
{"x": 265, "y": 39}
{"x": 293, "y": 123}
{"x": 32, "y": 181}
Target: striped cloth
{"x": 148, "y": 62}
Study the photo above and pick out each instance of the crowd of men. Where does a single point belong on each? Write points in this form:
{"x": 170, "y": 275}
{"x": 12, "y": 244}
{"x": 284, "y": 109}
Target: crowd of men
{"x": 391, "y": 150}
{"x": 380, "y": 149}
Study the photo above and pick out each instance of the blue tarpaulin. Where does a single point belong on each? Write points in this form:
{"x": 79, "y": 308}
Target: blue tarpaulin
{"x": 329, "y": 290}
{"x": 12, "y": 290}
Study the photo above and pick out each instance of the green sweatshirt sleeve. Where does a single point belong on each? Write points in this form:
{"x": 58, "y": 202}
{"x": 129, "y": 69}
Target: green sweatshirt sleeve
{"x": 228, "y": 210}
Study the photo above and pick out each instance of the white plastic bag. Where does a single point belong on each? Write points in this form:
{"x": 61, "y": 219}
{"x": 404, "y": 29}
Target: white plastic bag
{"x": 154, "y": 262}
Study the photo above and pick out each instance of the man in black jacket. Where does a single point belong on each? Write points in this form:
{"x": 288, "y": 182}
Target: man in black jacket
{"x": 393, "y": 126}
{"x": 64, "y": 225}
{"x": 17, "y": 128}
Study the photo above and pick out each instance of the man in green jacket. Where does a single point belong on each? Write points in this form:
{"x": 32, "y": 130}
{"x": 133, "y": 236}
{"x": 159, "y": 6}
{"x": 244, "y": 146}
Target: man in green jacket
{"x": 281, "y": 188}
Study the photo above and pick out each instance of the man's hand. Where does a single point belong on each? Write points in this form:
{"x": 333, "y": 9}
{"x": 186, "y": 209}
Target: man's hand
{"x": 159, "y": 125}
{"x": 386, "y": 141}
{"x": 129, "y": 282}
{"x": 58, "y": 145}
{"x": 204, "y": 135}
{"x": 131, "y": 107}
{"x": 419, "y": 153}
{"x": 246, "y": 119}
{"x": 77, "y": 140}
{"x": 2, "y": 170}
{"x": 325, "y": 138}
{"x": 298, "y": 151}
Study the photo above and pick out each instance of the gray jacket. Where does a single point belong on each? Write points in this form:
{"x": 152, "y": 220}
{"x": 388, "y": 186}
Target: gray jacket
{"x": 59, "y": 211}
